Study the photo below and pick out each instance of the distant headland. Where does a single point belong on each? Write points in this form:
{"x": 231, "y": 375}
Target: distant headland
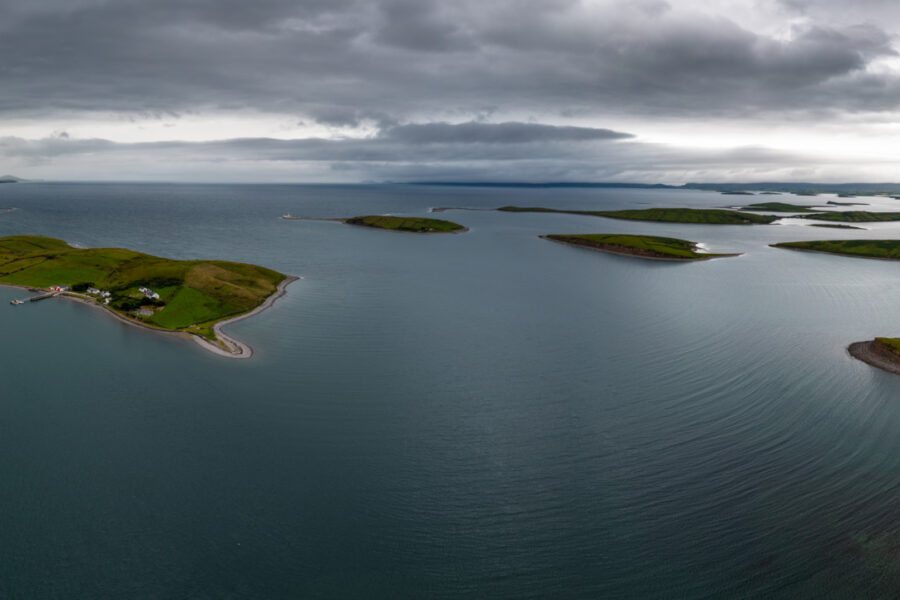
{"x": 763, "y": 187}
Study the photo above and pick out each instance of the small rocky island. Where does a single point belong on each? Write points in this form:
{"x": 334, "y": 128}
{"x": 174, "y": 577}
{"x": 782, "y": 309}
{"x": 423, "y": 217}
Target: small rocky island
{"x": 639, "y": 246}
{"x": 392, "y": 223}
{"x": 189, "y": 297}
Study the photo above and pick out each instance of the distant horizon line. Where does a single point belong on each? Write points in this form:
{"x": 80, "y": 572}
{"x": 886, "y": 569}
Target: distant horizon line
{"x": 788, "y": 186}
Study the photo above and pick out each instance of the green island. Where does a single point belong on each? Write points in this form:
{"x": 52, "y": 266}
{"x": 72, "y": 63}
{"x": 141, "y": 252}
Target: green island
{"x": 391, "y": 223}
{"x": 185, "y": 296}
{"x": 704, "y": 216}
{"x": 854, "y": 216}
{"x": 884, "y": 249}
{"x": 834, "y": 226}
{"x": 779, "y": 207}
{"x": 409, "y": 224}
{"x": 640, "y": 246}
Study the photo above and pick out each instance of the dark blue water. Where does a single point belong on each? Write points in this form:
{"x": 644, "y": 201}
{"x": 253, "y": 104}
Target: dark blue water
{"x": 476, "y": 415}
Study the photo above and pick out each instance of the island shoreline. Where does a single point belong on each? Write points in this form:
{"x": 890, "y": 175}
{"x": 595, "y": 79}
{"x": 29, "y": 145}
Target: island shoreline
{"x": 240, "y": 350}
{"x": 876, "y": 355}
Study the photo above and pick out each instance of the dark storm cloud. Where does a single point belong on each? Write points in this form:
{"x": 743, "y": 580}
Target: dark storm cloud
{"x": 346, "y": 60}
{"x": 496, "y": 133}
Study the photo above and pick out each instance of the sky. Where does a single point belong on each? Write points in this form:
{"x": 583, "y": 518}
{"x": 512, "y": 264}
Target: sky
{"x": 453, "y": 90}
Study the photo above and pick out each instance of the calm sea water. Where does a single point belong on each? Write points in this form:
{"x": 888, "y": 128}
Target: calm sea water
{"x": 477, "y": 415}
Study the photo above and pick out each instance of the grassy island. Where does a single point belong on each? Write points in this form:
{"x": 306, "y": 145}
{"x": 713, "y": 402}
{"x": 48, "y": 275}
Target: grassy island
{"x": 190, "y": 296}
{"x": 834, "y": 226}
{"x": 854, "y": 216}
{"x": 704, "y": 216}
{"x": 779, "y": 207}
{"x": 410, "y": 224}
{"x": 885, "y": 249}
{"x": 640, "y": 246}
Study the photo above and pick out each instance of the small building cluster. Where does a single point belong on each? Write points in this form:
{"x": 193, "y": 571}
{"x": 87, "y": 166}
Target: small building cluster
{"x": 102, "y": 293}
{"x": 148, "y": 293}
{"x": 58, "y": 288}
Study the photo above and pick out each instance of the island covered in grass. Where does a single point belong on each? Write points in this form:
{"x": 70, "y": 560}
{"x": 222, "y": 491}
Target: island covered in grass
{"x": 704, "y": 216}
{"x": 409, "y": 224}
{"x": 640, "y": 246}
{"x": 885, "y": 249}
{"x": 854, "y": 216}
{"x": 392, "y": 223}
{"x": 834, "y": 226}
{"x": 185, "y": 296}
{"x": 779, "y": 207}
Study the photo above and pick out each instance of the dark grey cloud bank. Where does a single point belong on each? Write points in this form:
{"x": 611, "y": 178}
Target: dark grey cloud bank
{"x": 437, "y": 80}
{"x": 400, "y": 58}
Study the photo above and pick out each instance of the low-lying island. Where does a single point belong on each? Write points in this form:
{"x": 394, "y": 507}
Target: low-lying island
{"x": 639, "y": 246}
{"x": 392, "y": 223}
{"x": 184, "y": 297}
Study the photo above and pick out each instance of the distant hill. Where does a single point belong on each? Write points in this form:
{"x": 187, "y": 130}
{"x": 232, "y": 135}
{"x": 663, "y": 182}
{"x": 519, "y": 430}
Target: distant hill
{"x": 10, "y": 179}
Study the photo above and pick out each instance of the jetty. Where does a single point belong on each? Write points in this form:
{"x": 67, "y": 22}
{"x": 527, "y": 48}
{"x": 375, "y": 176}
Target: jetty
{"x": 35, "y": 298}
{"x": 44, "y": 296}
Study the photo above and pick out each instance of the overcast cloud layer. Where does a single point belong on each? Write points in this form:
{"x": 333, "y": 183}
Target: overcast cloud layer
{"x": 358, "y": 90}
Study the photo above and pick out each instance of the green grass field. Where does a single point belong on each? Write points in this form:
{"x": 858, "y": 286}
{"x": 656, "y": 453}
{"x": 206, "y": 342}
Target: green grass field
{"x": 861, "y": 248}
{"x": 641, "y": 246}
{"x": 409, "y": 224}
{"x": 855, "y": 216}
{"x": 893, "y": 344}
{"x": 703, "y": 216}
{"x": 194, "y": 295}
{"x": 779, "y": 207}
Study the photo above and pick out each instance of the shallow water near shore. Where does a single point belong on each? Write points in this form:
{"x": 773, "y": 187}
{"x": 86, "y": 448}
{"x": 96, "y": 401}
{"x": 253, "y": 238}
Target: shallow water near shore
{"x": 478, "y": 415}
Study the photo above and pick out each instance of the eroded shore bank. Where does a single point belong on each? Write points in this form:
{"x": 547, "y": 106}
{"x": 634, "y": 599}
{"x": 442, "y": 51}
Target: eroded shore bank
{"x": 876, "y": 354}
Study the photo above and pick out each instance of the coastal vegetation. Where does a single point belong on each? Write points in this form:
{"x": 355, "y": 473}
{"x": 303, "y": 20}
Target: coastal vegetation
{"x": 409, "y": 224}
{"x": 891, "y": 344}
{"x": 854, "y": 216}
{"x": 705, "y": 216}
{"x": 173, "y": 295}
{"x": 779, "y": 207}
{"x": 888, "y": 249}
{"x": 641, "y": 246}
